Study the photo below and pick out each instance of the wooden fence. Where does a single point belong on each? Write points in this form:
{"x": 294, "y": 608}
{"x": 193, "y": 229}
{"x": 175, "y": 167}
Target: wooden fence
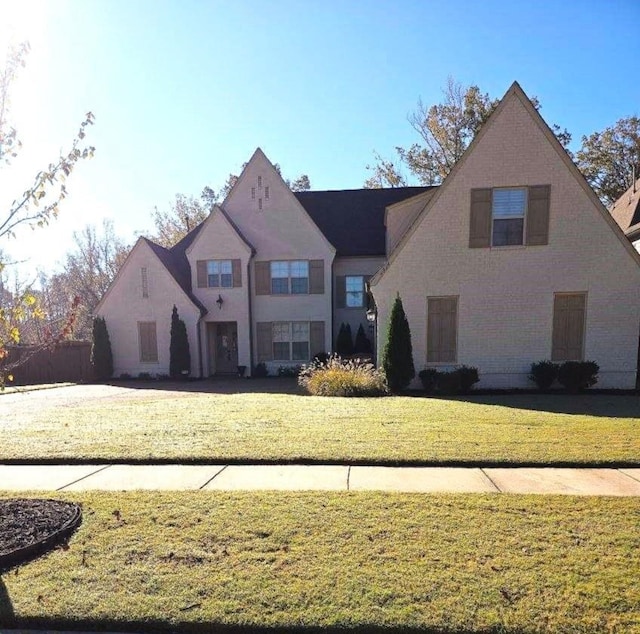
{"x": 69, "y": 361}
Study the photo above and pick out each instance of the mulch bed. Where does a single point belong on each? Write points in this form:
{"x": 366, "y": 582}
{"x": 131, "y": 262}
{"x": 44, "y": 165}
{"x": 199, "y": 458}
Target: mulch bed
{"x": 29, "y": 527}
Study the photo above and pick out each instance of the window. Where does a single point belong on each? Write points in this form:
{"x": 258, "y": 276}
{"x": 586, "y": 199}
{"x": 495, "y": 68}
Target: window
{"x": 354, "y": 285}
{"x": 442, "y": 329}
{"x": 290, "y": 341}
{"x": 290, "y": 278}
{"x": 568, "y": 326}
{"x": 145, "y": 282}
{"x": 508, "y": 210}
{"x": 219, "y": 273}
{"x": 148, "y": 341}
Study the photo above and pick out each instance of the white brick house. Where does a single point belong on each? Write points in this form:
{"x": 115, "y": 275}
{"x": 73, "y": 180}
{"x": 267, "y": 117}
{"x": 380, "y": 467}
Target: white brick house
{"x": 511, "y": 260}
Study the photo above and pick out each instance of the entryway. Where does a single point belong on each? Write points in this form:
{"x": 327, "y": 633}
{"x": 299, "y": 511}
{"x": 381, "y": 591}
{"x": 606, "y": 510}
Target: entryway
{"x": 222, "y": 342}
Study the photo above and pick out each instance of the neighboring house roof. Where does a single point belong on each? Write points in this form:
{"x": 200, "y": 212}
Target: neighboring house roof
{"x": 175, "y": 261}
{"x": 353, "y": 219}
{"x": 626, "y": 211}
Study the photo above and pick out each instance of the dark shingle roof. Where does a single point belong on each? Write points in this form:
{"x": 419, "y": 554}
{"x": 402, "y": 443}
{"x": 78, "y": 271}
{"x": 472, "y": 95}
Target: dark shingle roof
{"x": 353, "y": 219}
{"x": 175, "y": 261}
{"x": 626, "y": 210}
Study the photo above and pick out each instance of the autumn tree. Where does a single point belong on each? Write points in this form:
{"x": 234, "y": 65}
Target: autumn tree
{"x": 36, "y": 206}
{"x": 444, "y": 131}
{"x": 608, "y": 158}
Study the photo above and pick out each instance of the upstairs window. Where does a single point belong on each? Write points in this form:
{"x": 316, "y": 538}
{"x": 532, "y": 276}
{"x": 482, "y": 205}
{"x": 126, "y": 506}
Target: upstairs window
{"x": 354, "y": 286}
{"x": 219, "y": 274}
{"x": 508, "y": 212}
{"x": 290, "y": 277}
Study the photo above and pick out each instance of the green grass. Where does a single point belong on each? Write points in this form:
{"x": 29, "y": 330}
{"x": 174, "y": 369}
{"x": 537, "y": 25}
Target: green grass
{"x": 474, "y": 563}
{"x": 183, "y": 426}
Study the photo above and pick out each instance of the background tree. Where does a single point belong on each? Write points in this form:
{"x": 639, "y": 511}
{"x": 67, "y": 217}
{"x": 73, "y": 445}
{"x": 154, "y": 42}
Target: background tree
{"x": 344, "y": 341}
{"x": 608, "y": 158}
{"x": 184, "y": 214}
{"x": 35, "y": 206}
{"x": 445, "y": 130}
{"x": 179, "y": 355}
{"x": 397, "y": 357}
{"x": 362, "y": 344}
{"x": 101, "y": 356}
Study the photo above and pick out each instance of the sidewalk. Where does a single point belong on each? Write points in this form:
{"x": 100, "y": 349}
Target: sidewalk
{"x": 122, "y": 477}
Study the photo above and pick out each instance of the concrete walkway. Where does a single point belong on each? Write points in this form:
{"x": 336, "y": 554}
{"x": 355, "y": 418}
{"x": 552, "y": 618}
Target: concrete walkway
{"x": 121, "y": 477}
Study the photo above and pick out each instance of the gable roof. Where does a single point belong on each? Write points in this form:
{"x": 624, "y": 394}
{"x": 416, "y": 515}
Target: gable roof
{"x": 176, "y": 263}
{"x": 626, "y": 210}
{"x": 187, "y": 242}
{"x": 353, "y": 219}
{"x": 516, "y": 91}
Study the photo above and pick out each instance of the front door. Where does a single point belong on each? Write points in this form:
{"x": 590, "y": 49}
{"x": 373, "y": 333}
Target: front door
{"x": 225, "y": 343}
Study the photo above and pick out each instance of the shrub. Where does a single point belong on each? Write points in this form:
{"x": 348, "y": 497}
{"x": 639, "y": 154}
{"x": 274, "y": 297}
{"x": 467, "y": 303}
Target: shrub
{"x": 344, "y": 342}
{"x": 289, "y": 371}
{"x": 260, "y": 370}
{"x": 125, "y": 376}
{"x": 578, "y": 375}
{"x": 543, "y": 374}
{"x": 179, "y": 355}
{"x": 145, "y": 376}
{"x": 101, "y": 356}
{"x": 322, "y": 357}
{"x": 448, "y": 382}
{"x": 339, "y": 377}
{"x": 429, "y": 379}
{"x": 363, "y": 343}
{"x": 468, "y": 378}
{"x": 397, "y": 358}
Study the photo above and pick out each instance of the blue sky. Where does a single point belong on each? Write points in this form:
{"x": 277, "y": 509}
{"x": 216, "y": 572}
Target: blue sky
{"x": 184, "y": 91}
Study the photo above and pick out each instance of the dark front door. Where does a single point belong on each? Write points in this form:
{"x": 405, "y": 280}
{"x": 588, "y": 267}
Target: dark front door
{"x": 226, "y": 347}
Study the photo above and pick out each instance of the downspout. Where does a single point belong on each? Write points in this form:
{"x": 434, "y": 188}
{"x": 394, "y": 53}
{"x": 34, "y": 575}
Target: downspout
{"x": 251, "y": 364}
{"x": 199, "y": 330}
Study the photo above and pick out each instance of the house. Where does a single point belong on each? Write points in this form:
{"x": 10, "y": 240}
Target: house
{"x": 267, "y": 278}
{"x": 513, "y": 259}
{"x": 626, "y": 212}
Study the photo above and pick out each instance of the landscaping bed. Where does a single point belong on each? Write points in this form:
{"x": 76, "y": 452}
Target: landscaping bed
{"x": 205, "y": 561}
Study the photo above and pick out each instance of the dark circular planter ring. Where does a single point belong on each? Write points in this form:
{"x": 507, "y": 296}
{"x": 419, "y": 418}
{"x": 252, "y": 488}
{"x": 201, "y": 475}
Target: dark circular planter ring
{"x": 31, "y": 527}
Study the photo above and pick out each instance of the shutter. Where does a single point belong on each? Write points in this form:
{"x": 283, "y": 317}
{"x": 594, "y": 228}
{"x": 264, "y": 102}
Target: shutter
{"x": 265, "y": 348}
{"x": 236, "y": 268}
{"x": 442, "y": 322}
{"x": 148, "y": 341}
{"x": 341, "y": 291}
{"x": 263, "y": 278}
{"x": 201, "y": 269}
{"x": 538, "y": 215}
{"x": 316, "y": 338}
{"x": 480, "y": 221}
{"x": 568, "y": 327}
{"x": 153, "y": 342}
{"x": 316, "y": 277}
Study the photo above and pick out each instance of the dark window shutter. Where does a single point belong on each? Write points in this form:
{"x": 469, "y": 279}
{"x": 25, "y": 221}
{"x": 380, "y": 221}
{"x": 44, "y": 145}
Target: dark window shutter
{"x": 265, "y": 352}
{"x": 201, "y": 273}
{"x": 148, "y": 341}
{"x": 480, "y": 221}
{"x": 568, "y": 327}
{"x": 263, "y": 278}
{"x": 538, "y": 215}
{"x": 341, "y": 291}
{"x": 316, "y": 277}
{"x": 316, "y": 338}
{"x": 236, "y": 268}
{"x": 442, "y": 313}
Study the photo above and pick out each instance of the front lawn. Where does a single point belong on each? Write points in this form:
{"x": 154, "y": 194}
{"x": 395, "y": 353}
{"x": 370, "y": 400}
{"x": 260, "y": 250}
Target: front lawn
{"x": 409, "y": 562}
{"x": 185, "y": 426}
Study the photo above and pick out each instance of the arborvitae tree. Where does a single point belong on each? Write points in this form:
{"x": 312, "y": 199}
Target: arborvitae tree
{"x": 344, "y": 342}
{"x": 397, "y": 359}
{"x": 179, "y": 355}
{"x": 363, "y": 343}
{"x": 101, "y": 357}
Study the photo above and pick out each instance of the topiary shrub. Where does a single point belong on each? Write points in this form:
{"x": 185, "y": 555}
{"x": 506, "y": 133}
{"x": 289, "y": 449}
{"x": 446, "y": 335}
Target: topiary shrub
{"x": 260, "y": 370}
{"x": 344, "y": 342}
{"x": 397, "y": 358}
{"x": 339, "y": 377}
{"x": 576, "y": 376}
{"x": 429, "y": 379}
{"x": 468, "y": 378}
{"x": 544, "y": 374}
{"x": 362, "y": 344}
{"x": 101, "y": 356}
{"x": 179, "y": 355}
{"x": 448, "y": 382}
